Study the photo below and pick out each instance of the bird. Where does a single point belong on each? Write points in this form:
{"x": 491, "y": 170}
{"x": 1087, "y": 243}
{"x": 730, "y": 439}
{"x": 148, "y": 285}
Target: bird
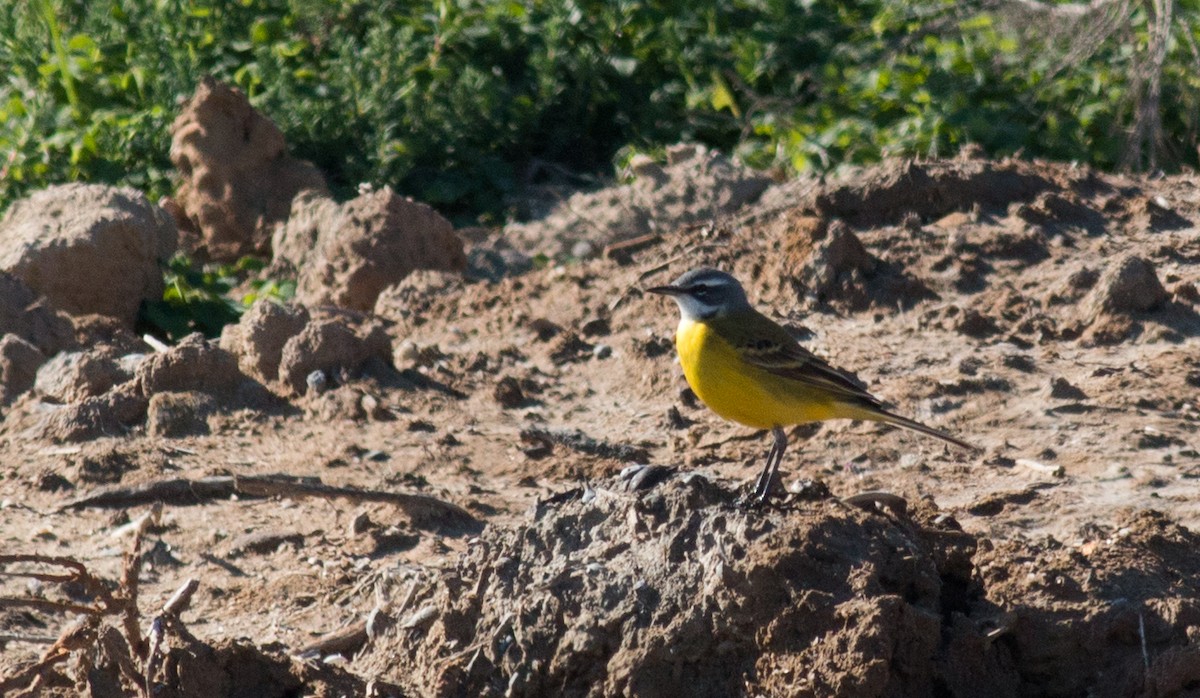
{"x": 749, "y": 369}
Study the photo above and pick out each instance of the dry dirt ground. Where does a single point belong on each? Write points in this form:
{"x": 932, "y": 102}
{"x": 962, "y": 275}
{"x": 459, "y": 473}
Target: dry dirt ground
{"x": 1044, "y": 312}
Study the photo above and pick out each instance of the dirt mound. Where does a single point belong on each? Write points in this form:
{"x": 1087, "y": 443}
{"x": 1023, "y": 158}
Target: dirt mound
{"x": 885, "y": 194}
{"x": 238, "y": 180}
{"x": 1117, "y": 615}
{"x": 88, "y": 248}
{"x": 72, "y": 376}
{"x": 604, "y": 592}
{"x": 346, "y": 254}
{"x": 258, "y": 339}
{"x": 697, "y": 185}
{"x": 23, "y": 314}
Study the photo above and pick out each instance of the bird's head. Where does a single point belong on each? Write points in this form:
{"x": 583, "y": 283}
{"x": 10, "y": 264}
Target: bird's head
{"x": 705, "y": 293}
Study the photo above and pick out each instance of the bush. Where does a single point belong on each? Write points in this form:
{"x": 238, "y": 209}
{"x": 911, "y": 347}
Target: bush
{"x": 200, "y": 298}
{"x": 462, "y": 102}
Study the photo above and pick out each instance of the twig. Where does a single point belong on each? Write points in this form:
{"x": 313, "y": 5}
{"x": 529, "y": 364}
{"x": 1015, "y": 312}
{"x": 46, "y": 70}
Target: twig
{"x": 174, "y": 491}
{"x": 182, "y": 490}
{"x": 87, "y": 631}
{"x": 75, "y": 636}
{"x": 169, "y": 615}
{"x": 155, "y": 343}
{"x": 68, "y": 562}
{"x": 182, "y": 598}
{"x": 130, "y": 573}
{"x": 30, "y": 639}
{"x": 623, "y": 250}
{"x": 345, "y": 641}
{"x": 418, "y": 506}
{"x": 47, "y": 605}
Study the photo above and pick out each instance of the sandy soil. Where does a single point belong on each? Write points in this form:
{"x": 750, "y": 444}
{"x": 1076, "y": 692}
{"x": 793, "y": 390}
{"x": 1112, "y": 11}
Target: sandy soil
{"x": 1044, "y": 312}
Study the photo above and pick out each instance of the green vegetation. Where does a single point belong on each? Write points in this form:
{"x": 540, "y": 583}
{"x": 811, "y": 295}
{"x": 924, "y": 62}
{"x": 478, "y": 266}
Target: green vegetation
{"x": 462, "y": 102}
{"x": 198, "y": 298}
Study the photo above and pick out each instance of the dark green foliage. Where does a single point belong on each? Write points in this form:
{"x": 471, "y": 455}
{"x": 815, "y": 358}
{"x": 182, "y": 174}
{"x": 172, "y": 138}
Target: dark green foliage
{"x": 199, "y": 298}
{"x": 462, "y": 102}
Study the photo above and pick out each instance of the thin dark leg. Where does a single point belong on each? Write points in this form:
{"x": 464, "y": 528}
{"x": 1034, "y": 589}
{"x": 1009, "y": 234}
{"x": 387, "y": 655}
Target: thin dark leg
{"x": 774, "y": 457}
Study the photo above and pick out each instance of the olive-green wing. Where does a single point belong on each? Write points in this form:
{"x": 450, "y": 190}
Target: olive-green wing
{"x": 770, "y": 347}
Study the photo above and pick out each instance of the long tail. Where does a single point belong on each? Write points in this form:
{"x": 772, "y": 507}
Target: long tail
{"x": 889, "y": 418}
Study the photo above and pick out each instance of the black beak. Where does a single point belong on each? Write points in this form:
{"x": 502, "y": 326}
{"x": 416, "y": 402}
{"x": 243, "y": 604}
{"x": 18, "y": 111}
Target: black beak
{"x": 666, "y": 290}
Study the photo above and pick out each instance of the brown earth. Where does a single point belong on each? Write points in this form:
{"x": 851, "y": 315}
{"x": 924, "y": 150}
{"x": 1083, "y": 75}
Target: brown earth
{"x": 1044, "y": 312}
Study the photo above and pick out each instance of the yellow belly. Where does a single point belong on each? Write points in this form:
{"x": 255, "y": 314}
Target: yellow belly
{"x": 742, "y": 392}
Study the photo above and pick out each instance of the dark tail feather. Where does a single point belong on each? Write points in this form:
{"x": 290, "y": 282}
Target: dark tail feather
{"x": 889, "y": 418}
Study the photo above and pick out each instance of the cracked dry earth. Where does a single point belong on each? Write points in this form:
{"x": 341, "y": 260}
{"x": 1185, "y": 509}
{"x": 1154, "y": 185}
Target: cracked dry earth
{"x": 1046, "y": 313}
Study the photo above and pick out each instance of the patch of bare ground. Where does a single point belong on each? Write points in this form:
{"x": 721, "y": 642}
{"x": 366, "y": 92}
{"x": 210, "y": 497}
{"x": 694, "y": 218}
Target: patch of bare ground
{"x": 1045, "y": 312}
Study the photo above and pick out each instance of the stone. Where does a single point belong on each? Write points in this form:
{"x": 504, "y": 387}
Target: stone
{"x": 88, "y": 248}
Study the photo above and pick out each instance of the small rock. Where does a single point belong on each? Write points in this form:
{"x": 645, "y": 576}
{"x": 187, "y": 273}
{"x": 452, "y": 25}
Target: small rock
{"x": 1186, "y": 292}
{"x": 508, "y": 392}
{"x": 76, "y": 375}
{"x": 1129, "y": 286}
{"x": 110, "y": 414}
{"x": 1061, "y": 389}
{"x": 316, "y": 382}
{"x": 19, "y": 361}
{"x": 602, "y": 351}
{"x": 975, "y": 324}
{"x": 360, "y": 524}
{"x": 257, "y": 340}
{"x": 195, "y": 364}
{"x": 406, "y": 354}
{"x": 172, "y": 415}
{"x": 583, "y": 249}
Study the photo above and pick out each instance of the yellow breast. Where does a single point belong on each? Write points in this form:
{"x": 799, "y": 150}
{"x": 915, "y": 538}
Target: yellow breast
{"x": 742, "y": 392}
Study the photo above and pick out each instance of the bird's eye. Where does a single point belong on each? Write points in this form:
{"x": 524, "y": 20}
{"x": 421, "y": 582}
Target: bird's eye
{"x": 701, "y": 292}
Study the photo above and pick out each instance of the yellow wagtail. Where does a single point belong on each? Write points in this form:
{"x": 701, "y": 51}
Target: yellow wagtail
{"x": 748, "y": 369}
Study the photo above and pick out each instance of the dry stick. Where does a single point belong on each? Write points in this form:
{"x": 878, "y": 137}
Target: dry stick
{"x": 415, "y": 505}
{"x": 48, "y": 605}
{"x": 78, "y": 571}
{"x": 130, "y": 573}
{"x": 119, "y": 649}
{"x": 418, "y": 506}
{"x": 30, "y": 639}
{"x": 345, "y": 641}
{"x": 170, "y": 615}
{"x": 75, "y": 636}
{"x": 79, "y": 575}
